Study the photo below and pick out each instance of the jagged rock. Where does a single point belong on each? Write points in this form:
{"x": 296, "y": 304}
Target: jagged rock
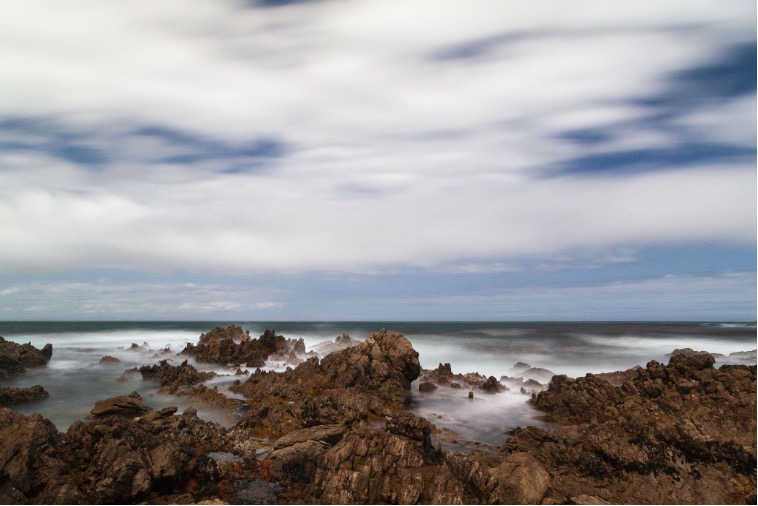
{"x": 157, "y": 458}
{"x": 663, "y": 436}
{"x": 445, "y": 369}
{"x": 11, "y": 395}
{"x": 493, "y": 386}
{"x": 109, "y": 360}
{"x": 232, "y": 345}
{"x": 340, "y": 343}
{"x": 124, "y": 405}
{"x": 172, "y": 377}
{"x": 343, "y": 388}
{"x": 17, "y": 358}
{"x": 376, "y": 467}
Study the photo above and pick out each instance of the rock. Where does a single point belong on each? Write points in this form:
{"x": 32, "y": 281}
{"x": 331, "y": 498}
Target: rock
{"x": 11, "y": 395}
{"x": 109, "y": 360}
{"x": 385, "y": 363}
{"x": 376, "y": 467}
{"x": 327, "y": 434}
{"x": 538, "y": 374}
{"x": 471, "y": 395}
{"x": 662, "y": 436}
{"x": 124, "y": 405}
{"x": 748, "y": 356}
{"x": 444, "y": 370}
{"x": 171, "y": 377}
{"x": 518, "y": 368}
{"x": 493, "y": 386}
{"x": 232, "y": 345}
{"x": 18, "y": 358}
{"x": 29, "y": 462}
{"x": 426, "y": 387}
{"x": 340, "y": 343}
{"x": 519, "y": 479}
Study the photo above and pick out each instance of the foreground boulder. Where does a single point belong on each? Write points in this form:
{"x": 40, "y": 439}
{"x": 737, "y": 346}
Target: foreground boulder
{"x": 18, "y": 358}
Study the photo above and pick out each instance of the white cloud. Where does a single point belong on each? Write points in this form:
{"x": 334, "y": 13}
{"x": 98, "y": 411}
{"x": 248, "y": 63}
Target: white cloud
{"x": 394, "y": 158}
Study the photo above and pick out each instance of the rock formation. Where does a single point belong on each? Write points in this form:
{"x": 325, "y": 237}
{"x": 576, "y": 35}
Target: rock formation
{"x": 11, "y": 395}
{"x": 233, "y": 345}
{"x": 17, "y": 358}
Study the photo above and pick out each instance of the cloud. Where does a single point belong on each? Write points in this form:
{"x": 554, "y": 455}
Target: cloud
{"x": 210, "y": 137}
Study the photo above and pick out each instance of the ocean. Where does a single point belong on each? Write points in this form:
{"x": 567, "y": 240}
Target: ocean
{"x": 75, "y": 379}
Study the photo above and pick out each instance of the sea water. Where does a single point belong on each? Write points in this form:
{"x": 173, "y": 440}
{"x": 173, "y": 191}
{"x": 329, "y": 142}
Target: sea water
{"x": 75, "y": 379}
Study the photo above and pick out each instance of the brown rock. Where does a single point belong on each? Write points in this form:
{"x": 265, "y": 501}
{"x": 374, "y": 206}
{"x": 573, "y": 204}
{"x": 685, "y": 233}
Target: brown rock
{"x": 426, "y": 386}
{"x": 17, "y": 358}
{"x": 11, "y": 395}
{"x": 109, "y": 360}
{"x": 124, "y": 405}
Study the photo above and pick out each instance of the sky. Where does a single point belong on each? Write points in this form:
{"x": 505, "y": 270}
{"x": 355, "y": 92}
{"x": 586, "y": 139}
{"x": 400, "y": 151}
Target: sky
{"x": 378, "y": 160}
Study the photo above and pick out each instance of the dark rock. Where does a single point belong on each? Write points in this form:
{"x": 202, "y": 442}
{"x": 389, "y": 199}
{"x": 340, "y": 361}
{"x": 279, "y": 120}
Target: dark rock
{"x": 518, "y": 368}
{"x": 171, "y": 377}
{"x": 471, "y": 395}
{"x": 426, "y": 386}
{"x": 11, "y": 395}
{"x": 444, "y": 370}
{"x": 17, "y": 358}
{"x": 108, "y": 360}
{"x": 493, "y": 386}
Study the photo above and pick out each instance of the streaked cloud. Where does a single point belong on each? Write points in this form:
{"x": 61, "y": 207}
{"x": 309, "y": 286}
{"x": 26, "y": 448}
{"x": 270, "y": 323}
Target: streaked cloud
{"x": 296, "y": 138}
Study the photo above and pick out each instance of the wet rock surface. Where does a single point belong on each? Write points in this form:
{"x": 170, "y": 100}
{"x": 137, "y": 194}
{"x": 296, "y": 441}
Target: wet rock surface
{"x": 18, "y": 358}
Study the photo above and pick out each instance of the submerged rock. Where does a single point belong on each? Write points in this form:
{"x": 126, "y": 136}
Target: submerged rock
{"x": 109, "y": 360}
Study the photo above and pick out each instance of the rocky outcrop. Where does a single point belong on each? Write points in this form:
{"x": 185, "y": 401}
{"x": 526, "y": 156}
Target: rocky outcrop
{"x": 17, "y": 358}
{"x": 170, "y": 377}
{"x": 112, "y": 459}
{"x": 124, "y": 405}
{"x": 662, "y": 437}
{"x": 109, "y": 360}
{"x": 11, "y": 395}
{"x": 343, "y": 388}
{"x": 233, "y": 345}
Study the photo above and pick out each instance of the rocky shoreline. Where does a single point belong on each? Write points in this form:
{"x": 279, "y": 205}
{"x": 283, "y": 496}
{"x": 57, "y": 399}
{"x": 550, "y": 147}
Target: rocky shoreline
{"x": 334, "y": 431}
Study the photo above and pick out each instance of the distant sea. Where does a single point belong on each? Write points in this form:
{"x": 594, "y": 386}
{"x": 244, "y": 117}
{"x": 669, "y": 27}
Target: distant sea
{"x": 75, "y": 379}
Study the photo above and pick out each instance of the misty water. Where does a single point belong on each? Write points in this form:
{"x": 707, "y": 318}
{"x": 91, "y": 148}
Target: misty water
{"x": 75, "y": 379}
